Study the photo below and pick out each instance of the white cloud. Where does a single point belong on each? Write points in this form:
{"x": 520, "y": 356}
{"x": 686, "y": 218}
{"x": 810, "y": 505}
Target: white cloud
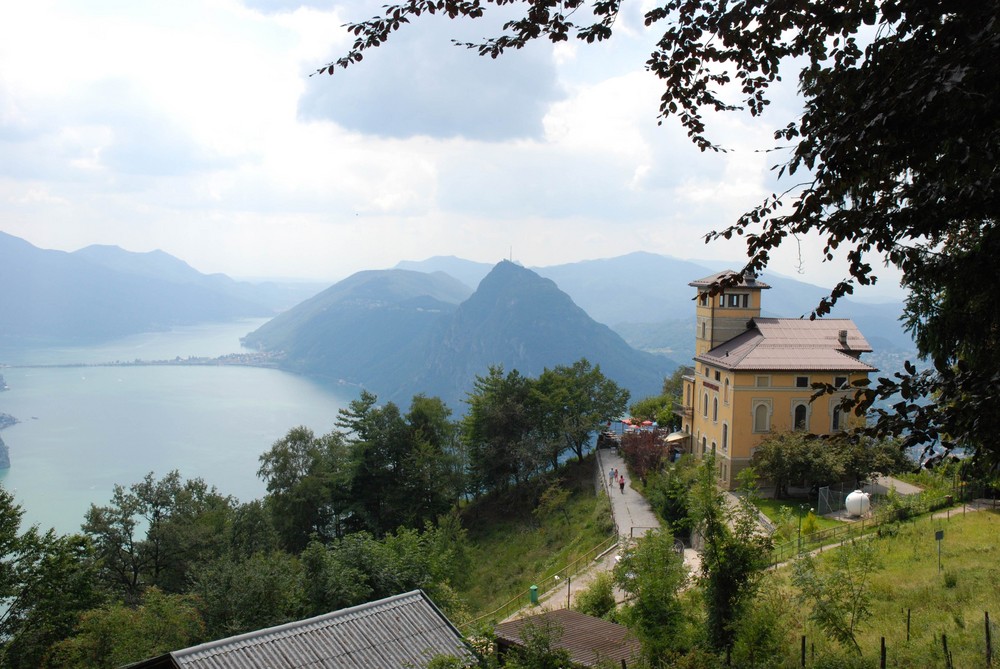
{"x": 195, "y": 127}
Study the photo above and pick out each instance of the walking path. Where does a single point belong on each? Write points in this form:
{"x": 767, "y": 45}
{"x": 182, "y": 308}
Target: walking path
{"x": 632, "y": 516}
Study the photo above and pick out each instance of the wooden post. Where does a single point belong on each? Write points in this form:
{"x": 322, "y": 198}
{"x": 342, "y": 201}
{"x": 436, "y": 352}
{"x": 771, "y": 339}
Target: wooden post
{"x": 989, "y": 642}
{"x": 907, "y": 625}
{"x": 881, "y": 662}
{"x": 803, "y": 650}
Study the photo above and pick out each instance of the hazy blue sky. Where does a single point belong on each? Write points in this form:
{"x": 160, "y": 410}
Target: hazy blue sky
{"x": 194, "y": 127}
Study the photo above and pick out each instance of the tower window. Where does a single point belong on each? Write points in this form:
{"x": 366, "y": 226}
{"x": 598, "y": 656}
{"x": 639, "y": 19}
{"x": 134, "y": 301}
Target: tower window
{"x": 840, "y": 382}
{"x": 801, "y": 381}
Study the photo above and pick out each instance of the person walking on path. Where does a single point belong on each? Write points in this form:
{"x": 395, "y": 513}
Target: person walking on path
{"x": 611, "y": 476}
{"x": 621, "y": 484}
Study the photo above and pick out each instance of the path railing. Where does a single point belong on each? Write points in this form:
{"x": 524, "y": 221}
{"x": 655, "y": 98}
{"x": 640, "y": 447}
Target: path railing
{"x": 543, "y": 585}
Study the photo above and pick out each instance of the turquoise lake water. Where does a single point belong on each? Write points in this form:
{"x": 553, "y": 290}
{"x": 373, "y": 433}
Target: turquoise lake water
{"x": 84, "y": 429}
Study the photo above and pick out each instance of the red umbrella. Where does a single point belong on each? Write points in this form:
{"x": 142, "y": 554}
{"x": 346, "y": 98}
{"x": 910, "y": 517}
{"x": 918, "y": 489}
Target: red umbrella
{"x": 647, "y": 422}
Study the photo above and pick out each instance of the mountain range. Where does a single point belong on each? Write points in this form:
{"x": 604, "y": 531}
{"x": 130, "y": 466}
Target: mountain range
{"x": 103, "y": 292}
{"x": 429, "y": 326}
{"x": 400, "y": 332}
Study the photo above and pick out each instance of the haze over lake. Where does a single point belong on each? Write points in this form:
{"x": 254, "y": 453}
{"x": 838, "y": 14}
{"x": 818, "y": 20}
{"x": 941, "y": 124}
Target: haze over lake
{"x": 84, "y": 429}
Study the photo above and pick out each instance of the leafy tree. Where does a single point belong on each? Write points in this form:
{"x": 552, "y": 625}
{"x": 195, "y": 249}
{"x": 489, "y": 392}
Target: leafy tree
{"x": 598, "y": 599}
{"x": 899, "y": 169}
{"x": 792, "y": 457}
{"x": 643, "y": 451}
{"x": 652, "y": 574}
{"x": 500, "y": 431}
{"x": 658, "y": 409}
{"x": 863, "y": 458}
{"x": 668, "y": 491}
{"x": 115, "y": 635}
{"x": 306, "y": 479}
{"x": 46, "y": 582}
{"x": 734, "y": 557}
{"x": 839, "y": 595}
{"x": 576, "y": 400}
{"x": 237, "y": 594}
{"x": 403, "y": 468}
{"x": 184, "y": 523}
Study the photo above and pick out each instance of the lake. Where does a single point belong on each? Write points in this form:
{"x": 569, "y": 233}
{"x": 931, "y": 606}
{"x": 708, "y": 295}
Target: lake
{"x": 84, "y": 429}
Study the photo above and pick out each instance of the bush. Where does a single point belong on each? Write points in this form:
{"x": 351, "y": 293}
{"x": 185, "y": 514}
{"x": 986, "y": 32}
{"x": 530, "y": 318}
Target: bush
{"x": 598, "y": 599}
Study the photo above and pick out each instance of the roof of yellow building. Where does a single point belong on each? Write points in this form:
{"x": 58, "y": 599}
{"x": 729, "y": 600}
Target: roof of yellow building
{"x": 787, "y": 344}
{"x": 745, "y": 281}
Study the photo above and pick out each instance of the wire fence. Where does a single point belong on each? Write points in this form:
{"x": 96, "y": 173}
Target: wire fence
{"x": 543, "y": 585}
{"x": 888, "y": 510}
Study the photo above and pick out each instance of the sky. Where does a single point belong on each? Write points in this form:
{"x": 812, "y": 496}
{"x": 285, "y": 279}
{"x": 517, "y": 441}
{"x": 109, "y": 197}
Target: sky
{"x": 196, "y": 128}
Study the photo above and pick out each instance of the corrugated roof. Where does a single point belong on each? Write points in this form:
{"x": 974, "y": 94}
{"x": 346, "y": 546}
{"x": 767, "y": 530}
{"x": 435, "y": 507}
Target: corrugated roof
{"x": 588, "y": 640}
{"x": 750, "y": 282}
{"x": 406, "y": 630}
{"x": 777, "y": 344}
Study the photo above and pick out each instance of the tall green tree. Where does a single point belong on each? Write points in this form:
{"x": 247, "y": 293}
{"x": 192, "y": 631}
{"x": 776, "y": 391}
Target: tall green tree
{"x": 735, "y": 555}
{"x": 184, "y": 522}
{"x": 46, "y": 582}
{"x": 652, "y": 574}
{"x": 786, "y": 458}
{"x": 500, "y": 431}
{"x": 307, "y": 478}
{"x": 403, "y": 468}
{"x": 887, "y": 168}
{"x": 576, "y": 400}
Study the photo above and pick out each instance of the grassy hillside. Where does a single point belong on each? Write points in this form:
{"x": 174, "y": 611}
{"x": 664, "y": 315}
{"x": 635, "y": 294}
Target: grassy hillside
{"x": 514, "y": 548}
{"x": 950, "y": 603}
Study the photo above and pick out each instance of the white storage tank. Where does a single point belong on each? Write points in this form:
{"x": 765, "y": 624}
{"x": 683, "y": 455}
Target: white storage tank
{"x": 857, "y": 504}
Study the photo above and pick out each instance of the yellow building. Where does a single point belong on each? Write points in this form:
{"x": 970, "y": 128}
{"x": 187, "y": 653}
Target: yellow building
{"x": 753, "y": 376}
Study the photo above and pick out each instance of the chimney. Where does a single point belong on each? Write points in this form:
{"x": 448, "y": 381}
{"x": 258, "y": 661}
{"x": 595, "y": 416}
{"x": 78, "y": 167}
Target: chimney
{"x": 842, "y": 338}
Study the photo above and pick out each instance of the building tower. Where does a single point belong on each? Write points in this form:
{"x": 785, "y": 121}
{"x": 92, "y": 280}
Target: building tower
{"x": 721, "y": 317}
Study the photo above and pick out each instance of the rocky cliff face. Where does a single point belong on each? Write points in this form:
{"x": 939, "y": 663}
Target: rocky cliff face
{"x": 4, "y": 455}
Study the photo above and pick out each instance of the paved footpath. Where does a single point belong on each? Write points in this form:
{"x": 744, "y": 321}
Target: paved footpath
{"x": 632, "y": 516}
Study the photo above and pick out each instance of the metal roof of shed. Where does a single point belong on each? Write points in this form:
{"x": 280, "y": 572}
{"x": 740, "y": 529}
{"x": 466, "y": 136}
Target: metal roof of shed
{"x": 406, "y": 630}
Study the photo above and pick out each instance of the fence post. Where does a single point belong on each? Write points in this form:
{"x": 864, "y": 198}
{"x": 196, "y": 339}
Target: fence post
{"x": 881, "y": 662}
{"x": 989, "y": 642}
{"x": 907, "y": 625}
{"x": 803, "y": 650}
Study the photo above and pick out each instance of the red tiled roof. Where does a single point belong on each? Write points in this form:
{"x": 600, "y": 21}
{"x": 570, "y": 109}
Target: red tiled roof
{"x": 588, "y": 640}
{"x": 793, "y": 344}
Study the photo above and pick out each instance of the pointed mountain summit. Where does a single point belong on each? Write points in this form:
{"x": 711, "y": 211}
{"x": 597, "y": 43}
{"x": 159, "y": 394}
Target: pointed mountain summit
{"x": 369, "y": 329}
{"x": 523, "y": 321}
{"x": 399, "y": 333}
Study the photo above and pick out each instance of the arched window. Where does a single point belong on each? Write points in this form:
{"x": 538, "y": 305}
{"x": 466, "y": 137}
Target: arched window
{"x": 800, "y": 419}
{"x": 704, "y": 445}
{"x": 725, "y": 437}
{"x": 725, "y": 392}
{"x": 715, "y": 409}
{"x": 761, "y": 418}
{"x": 835, "y": 425}
{"x": 713, "y": 448}
{"x": 704, "y": 406}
